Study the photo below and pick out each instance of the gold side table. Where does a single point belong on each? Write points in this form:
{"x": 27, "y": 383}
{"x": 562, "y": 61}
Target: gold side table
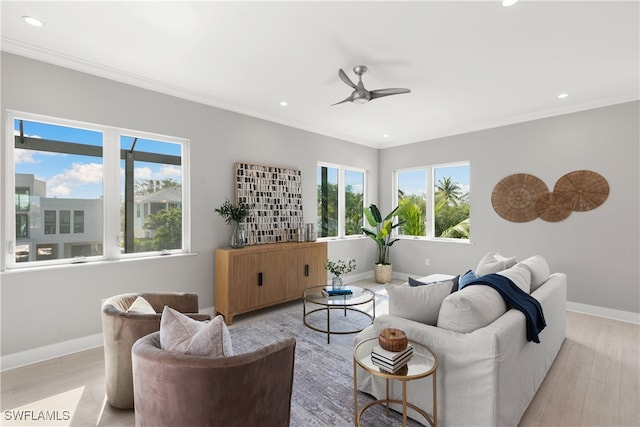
{"x": 422, "y": 364}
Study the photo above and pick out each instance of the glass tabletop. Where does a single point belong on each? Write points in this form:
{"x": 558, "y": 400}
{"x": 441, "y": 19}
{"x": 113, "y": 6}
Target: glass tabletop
{"x": 357, "y": 296}
{"x": 421, "y": 364}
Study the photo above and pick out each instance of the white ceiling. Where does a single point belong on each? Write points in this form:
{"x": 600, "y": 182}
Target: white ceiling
{"x": 469, "y": 65}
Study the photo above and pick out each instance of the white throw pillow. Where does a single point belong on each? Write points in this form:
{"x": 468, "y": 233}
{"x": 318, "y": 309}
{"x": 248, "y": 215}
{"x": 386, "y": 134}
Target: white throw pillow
{"x": 491, "y": 264}
{"x": 508, "y": 261}
{"x": 141, "y": 306}
{"x": 421, "y": 303}
{"x": 520, "y": 275}
{"x": 539, "y": 270}
{"x": 183, "y": 334}
{"x": 473, "y": 307}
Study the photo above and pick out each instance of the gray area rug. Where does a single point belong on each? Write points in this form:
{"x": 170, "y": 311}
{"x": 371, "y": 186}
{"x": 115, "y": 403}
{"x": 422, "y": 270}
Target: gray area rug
{"x": 323, "y": 373}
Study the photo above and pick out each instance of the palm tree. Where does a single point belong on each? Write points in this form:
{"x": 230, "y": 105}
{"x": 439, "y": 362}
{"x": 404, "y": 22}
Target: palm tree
{"x": 448, "y": 192}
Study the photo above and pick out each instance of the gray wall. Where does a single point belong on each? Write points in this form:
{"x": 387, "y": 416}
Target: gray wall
{"x": 47, "y": 306}
{"x": 598, "y": 249}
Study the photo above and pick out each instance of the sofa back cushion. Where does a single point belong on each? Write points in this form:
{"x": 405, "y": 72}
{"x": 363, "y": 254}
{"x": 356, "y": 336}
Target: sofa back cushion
{"x": 520, "y": 275}
{"x": 418, "y": 303}
{"x": 539, "y": 270}
{"x": 472, "y": 307}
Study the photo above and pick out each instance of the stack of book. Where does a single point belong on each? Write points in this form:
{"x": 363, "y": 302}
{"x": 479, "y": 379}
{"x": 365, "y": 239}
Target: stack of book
{"x": 391, "y": 361}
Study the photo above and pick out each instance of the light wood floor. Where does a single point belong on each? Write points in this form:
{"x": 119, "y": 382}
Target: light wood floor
{"x": 595, "y": 381}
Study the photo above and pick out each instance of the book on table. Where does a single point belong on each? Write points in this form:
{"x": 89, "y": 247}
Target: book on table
{"x": 391, "y": 356}
{"x": 333, "y": 292}
{"x": 390, "y": 360}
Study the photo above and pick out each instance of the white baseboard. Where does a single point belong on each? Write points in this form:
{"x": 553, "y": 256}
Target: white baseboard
{"x": 609, "y": 313}
{"x": 47, "y": 352}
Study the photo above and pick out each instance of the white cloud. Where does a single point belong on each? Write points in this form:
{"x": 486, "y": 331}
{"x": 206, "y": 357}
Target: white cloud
{"x": 171, "y": 170}
{"x": 79, "y": 174}
{"x": 143, "y": 173}
{"x": 24, "y": 156}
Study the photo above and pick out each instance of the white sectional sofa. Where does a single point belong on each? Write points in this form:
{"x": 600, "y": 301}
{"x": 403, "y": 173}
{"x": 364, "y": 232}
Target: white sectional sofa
{"x": 488, "y": 374}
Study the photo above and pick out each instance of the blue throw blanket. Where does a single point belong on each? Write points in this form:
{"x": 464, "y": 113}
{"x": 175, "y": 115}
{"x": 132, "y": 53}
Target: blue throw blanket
{"x": 518, "y": 299}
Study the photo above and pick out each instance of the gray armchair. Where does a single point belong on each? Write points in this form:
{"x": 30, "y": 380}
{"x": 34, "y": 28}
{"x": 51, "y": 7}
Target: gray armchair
{"x": 121, "y": 329}
{"x": 249, "y": 389}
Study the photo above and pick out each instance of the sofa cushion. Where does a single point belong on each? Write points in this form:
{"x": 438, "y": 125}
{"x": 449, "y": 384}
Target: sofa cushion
{"x": 470, "y": 308}
{"x": 520, "y": 275}
{"x": 491, "y": 264}
{"x": 539, "y": 270}
{"x": 182, "y": 334}
{"x": 141, "y": 306}
{"x": 420, "y": 303}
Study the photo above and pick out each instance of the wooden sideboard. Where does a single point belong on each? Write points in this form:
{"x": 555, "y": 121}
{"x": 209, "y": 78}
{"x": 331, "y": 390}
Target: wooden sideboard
{"x": 260, "y": 276}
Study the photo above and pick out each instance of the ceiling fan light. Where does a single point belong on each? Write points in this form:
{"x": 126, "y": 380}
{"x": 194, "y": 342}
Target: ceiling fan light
{"x": 361, "y": 101}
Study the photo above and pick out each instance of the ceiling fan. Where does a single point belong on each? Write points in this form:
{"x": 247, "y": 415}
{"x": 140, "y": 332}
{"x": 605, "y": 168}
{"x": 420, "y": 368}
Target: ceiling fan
{"x": 361, "y": 95}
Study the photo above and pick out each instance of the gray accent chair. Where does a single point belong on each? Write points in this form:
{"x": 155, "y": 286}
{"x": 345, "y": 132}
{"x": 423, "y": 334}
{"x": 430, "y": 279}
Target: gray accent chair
{"x": 249, "y": 389}
{"x": 121, "y": 329}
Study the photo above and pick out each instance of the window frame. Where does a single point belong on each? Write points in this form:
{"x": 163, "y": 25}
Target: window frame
{"x": 111, "y": 179}
{"x": 430, "y": 200}
{"x": 342, "y": 198}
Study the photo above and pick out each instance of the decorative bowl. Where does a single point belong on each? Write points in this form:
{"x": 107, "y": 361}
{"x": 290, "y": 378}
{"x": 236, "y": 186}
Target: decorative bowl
{"x": 392, "y": 339}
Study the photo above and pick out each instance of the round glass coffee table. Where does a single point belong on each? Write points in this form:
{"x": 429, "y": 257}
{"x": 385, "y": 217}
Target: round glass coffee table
{"x": 352, "y": 302}
{"x": 422, "y": 364}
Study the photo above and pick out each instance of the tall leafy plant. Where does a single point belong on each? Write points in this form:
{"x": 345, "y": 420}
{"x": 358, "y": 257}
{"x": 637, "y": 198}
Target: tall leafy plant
{"x": 381, "y": 231}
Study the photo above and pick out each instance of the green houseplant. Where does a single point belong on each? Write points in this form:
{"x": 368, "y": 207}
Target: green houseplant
{"x": 381, "y": 233}
{"x": 235, "y": 215}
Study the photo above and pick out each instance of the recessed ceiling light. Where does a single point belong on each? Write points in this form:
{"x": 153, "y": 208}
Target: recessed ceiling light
{"x": 507, "y": 3}
{"x": 563, "y": 95}
{"x": 386, "y": 135}
{"x": 283, "y": 103}
{"x": 32, "y": 21}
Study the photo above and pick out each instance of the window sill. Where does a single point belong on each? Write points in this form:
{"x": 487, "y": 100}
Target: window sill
{"x": 29, "y": 268}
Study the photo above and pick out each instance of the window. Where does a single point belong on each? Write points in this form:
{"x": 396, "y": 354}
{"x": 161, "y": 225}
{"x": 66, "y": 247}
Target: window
{"x": 49, "y": 222}
{"x": 341, "y": 201}
{"x": 78, "y": 222}
{"x": 434, "y": 201}
{"x": 88, "y": 181}
{"x": 65, "y": 222}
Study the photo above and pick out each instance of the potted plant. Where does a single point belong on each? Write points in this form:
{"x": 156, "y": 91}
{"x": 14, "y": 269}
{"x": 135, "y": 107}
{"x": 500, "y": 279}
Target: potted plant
{"x": 339, "y": 268}
{"x": 381, "y": 234}
{"x": 235, "y": 215}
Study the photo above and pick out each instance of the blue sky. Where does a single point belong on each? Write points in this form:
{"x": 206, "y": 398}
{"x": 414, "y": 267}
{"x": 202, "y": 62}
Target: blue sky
{"x": 414, "y": 181}
{"x": 73, "y": 176}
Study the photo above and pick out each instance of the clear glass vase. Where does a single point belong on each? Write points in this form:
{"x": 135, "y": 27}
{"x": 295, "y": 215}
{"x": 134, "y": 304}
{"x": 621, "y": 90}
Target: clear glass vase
{"x": 336, "y": 282}
{"x": 237, "y": 236}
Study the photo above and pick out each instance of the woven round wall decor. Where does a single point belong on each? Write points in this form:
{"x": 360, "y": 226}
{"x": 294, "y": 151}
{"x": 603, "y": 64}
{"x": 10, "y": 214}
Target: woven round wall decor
{"x": 553, "y": 207}
{"x": 514, "y": 197}
{"x": 586, "y": 189}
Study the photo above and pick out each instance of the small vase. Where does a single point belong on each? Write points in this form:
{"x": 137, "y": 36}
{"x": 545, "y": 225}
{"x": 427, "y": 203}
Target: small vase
{"x": 336, "y": 282}
{"x": 237, "y": 236}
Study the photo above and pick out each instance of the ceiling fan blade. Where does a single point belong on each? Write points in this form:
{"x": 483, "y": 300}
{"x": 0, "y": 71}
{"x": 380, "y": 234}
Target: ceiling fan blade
{"x": 348, "y": 99}
{"x": 345, "y": 79}
{"x": 379, "y": 93}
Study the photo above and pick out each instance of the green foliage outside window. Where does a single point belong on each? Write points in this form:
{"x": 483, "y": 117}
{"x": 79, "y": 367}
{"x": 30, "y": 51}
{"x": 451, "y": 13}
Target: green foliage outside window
{"x": 167, "y": 225}
{"x": 451, "y": 212}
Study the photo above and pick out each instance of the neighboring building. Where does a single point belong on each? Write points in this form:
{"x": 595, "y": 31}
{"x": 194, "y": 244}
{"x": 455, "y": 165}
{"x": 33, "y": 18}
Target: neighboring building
{"x": 54, "y": 228}
{"x": 150, "y": 204}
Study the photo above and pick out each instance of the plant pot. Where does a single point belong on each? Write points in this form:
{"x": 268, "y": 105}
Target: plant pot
{"x": 382, "y": 273}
